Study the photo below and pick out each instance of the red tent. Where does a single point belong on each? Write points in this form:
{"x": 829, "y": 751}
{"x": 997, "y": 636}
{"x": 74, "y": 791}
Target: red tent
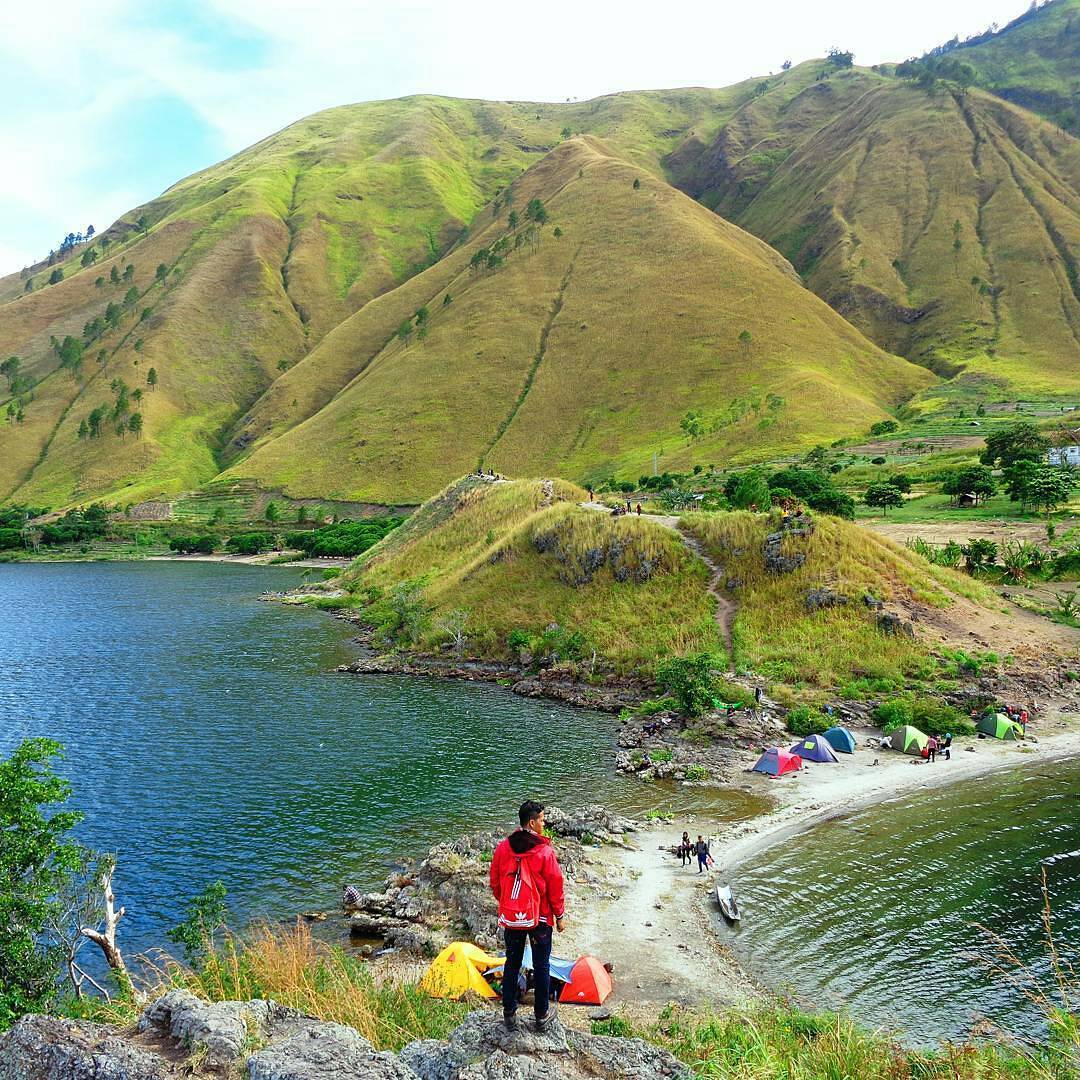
{"x": 589, "y": 983}
{"x": 776, "y": 762}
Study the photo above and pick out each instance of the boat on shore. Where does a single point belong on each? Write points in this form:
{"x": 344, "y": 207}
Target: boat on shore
{"x": 729, "y": 906}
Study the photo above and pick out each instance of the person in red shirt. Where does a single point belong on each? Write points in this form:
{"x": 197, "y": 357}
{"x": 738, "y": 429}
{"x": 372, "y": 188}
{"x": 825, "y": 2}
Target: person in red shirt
{"x": 525, "y": 874}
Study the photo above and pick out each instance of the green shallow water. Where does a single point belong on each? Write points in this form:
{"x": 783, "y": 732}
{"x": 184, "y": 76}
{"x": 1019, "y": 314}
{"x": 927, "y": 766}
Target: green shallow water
{"x": 879, "y": 913}
{"x": 208, "y": 738}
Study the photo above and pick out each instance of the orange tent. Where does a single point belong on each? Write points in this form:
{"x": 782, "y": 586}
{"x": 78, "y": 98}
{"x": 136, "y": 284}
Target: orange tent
{"x": 589, "y": 983}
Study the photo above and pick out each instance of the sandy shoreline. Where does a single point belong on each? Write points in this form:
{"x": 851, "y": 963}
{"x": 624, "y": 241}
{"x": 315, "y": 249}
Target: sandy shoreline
{"x": 656, "y": 920}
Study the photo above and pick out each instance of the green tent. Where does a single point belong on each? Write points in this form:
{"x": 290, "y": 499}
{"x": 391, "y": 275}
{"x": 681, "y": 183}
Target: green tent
{"x": 999, "y": 726}
{"x": 908, "y": 740}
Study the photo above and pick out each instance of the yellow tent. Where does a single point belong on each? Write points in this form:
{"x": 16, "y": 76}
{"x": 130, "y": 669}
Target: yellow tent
{"x": 457, "y": 970}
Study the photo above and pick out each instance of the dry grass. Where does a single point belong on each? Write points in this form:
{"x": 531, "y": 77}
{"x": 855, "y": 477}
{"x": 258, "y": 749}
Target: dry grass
{"x": 477, "y": 546}
{"x": 775, "y": 633}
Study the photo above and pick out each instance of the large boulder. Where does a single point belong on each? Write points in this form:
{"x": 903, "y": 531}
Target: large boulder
{"x": 483, "y": 1049}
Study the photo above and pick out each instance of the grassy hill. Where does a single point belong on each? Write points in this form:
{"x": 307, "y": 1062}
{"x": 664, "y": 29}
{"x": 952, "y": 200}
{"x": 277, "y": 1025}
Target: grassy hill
{"x": 522, "y": 556}
{"x": 583, "y": 352}
{"x": 518, "y": 565}
{"x": 265, "y": 292}
{"x": 1032, "y": 61}
{"x": 944, "y": 224}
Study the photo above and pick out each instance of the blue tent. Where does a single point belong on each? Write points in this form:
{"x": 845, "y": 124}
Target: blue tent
{"x": 839, "y": 738}
{"x": 814, "y": 748}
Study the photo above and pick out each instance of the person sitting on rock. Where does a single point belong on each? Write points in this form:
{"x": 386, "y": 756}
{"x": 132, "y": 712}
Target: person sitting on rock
{"x": 527, "y": 884}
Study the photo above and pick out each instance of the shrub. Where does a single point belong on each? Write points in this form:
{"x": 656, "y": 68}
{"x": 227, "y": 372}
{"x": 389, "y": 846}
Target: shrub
{"x": 697, "y": 772}
{"x": 804, "y": 720}
{"x": 658, "y": 757}
{"x": 879, "y": 460}
{"x": 928, "y": 714}
{"x": 252, "y": 543}
{"x": 343, "y": 539}
{"x": 692, "y": 681}
{"x": 186, "y": 545}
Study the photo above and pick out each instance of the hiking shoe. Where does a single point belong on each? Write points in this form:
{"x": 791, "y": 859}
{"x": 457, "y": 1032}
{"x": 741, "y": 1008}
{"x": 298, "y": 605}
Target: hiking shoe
{"x": 510, "y": 1021}
{"x": 544, "y": 1022}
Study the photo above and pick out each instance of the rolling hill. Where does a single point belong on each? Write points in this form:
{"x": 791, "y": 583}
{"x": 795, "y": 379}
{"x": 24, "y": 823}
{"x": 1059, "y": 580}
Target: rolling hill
{"x": 943, "y": 223}
{"x": 242, "y": 328}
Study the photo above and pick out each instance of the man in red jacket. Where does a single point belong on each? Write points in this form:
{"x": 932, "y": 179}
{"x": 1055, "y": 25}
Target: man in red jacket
{"x": 527, "y": 884}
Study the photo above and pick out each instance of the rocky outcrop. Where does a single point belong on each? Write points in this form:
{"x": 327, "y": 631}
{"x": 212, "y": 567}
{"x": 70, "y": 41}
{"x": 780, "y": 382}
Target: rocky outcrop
{"x": 281, "y": 1044}
{"x": 446, "y": 894}
{"x": 777, "y": 561}
{"x": 49, "y": 1048}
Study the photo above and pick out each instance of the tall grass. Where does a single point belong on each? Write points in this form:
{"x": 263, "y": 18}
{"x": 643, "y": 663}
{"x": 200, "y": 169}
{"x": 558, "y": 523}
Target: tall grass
{"x": 776, "y": 634}
{"x": 776, "y": 1041}
{"x": 289, "y": 966}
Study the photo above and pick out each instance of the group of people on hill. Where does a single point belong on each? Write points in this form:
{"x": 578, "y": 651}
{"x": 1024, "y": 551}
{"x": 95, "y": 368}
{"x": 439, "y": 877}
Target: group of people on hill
{"x": 618, "y": 511}
{"x": 489, "y": 474}
{"x": 688, "y": 850}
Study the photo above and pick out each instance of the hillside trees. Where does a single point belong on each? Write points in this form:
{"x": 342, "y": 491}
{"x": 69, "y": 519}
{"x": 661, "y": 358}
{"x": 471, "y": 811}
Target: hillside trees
{"x": 1021, "y": 441}
{"x": 883, "y": 496}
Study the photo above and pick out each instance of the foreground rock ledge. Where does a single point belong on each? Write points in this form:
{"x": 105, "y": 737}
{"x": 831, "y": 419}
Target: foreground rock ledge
{"x": 180, "y": 1035}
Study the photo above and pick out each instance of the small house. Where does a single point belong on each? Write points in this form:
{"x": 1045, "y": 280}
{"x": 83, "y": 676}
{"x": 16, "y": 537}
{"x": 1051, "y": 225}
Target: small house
{"x": 967, "y": 498}
{"x": 1064, "y": 455}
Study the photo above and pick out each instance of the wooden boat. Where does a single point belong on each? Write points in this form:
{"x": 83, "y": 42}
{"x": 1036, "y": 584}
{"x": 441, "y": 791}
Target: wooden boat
{"x": 728, "y": 904}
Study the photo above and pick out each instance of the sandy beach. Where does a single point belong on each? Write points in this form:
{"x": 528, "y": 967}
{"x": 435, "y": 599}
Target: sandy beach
{"x": 654, "y": 920}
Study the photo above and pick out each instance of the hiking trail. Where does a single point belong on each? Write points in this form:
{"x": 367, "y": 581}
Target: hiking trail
{"x": 726, "y": 608}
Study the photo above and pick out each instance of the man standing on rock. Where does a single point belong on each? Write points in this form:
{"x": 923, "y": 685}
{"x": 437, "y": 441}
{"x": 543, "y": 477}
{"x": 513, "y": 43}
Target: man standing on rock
{"x": 528, "y": 886}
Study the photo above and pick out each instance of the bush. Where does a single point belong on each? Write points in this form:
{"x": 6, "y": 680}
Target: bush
{"x": 697, "y": 772}
{"x": 186, "y": 545}
{"x": 252, "y": 543}
{"x": 692, "y": 681}
{"x": 343, "y": 539}
{"x": 928, "y": 714}
{"x": 10, "y": 538}
{"x": 877, "y": 460}
{"x": 804, "y": 720}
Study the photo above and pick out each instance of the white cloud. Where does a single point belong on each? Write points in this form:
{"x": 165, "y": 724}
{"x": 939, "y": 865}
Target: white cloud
{"x": 77, "y": 68}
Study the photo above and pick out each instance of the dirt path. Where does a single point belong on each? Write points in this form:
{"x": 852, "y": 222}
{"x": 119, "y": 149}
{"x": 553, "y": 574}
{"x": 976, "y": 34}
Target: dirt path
{"x": 725, "y": 607}
{"x": 649, "y": 917}
{"x": 941, "y": 532}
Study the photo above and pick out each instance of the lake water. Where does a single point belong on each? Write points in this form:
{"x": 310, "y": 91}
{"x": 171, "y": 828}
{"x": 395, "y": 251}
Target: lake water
{"x": 879, "y": 912}
{"x": 207, "y": 738}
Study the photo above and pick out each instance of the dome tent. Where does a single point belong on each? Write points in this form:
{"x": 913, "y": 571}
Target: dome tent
{"x": 814, "y": 748}
{"x": 776, "y": 762}
{"x": 841, "y": 740}
{"x": 908, "y": 740}
{"x": 999, "y": 726}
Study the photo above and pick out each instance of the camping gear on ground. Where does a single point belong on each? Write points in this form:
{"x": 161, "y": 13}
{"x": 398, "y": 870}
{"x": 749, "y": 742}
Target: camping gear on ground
{"x": 776, "y": 762}
{"x": 459, "y": 969}
{"x": 999, "y": 726}
{"x": 560, "y": 968}
{"x": 908, "y": 740}
{"x": 814, "y": 748}
{"x": 841, "y": 740}
{"x": 589, "y": 983}
{"x": 728, "y": 904}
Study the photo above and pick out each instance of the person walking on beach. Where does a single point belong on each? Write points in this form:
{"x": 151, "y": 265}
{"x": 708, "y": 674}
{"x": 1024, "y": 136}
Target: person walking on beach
{"x": 527, "y": 884}
{"x": 946, "y": 746}
{"x": 686, "y": 849}
{"x": 639, "y": 509}
{"x": 702, "y": 849}
{"x": 931, "y": 749}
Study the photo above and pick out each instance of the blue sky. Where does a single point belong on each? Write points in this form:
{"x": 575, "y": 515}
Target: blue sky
{"x": 111, "y": 101}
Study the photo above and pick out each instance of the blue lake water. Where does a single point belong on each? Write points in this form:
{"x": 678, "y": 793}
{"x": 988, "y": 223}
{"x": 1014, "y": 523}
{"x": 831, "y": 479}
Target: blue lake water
{"x": 882, "y": 912}
{"x": 208, "y": 738}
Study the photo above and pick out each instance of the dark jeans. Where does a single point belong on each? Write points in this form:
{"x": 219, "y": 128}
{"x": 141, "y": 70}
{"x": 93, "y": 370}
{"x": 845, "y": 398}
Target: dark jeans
{"x": 703, "y": 863}
{"x": 540, "y": 937}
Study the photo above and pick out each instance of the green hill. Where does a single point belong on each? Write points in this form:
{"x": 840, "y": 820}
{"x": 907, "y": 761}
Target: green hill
{"x": 266, "y": 292}
{"x": 1032, "y": 61}
{"x": 583, "y": 352}
{"x": 945, "y": 224}
{"x": 506, "y": 564}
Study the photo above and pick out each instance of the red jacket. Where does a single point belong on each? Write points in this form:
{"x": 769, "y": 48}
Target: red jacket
{"x": 543, "y": 865}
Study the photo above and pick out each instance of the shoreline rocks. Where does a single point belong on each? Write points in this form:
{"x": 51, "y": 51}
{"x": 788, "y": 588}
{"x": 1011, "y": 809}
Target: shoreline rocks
{"x": 180, "y": 1035}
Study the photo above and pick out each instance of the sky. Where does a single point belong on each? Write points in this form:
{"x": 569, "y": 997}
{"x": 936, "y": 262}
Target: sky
{"x": 108, "y": 102}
